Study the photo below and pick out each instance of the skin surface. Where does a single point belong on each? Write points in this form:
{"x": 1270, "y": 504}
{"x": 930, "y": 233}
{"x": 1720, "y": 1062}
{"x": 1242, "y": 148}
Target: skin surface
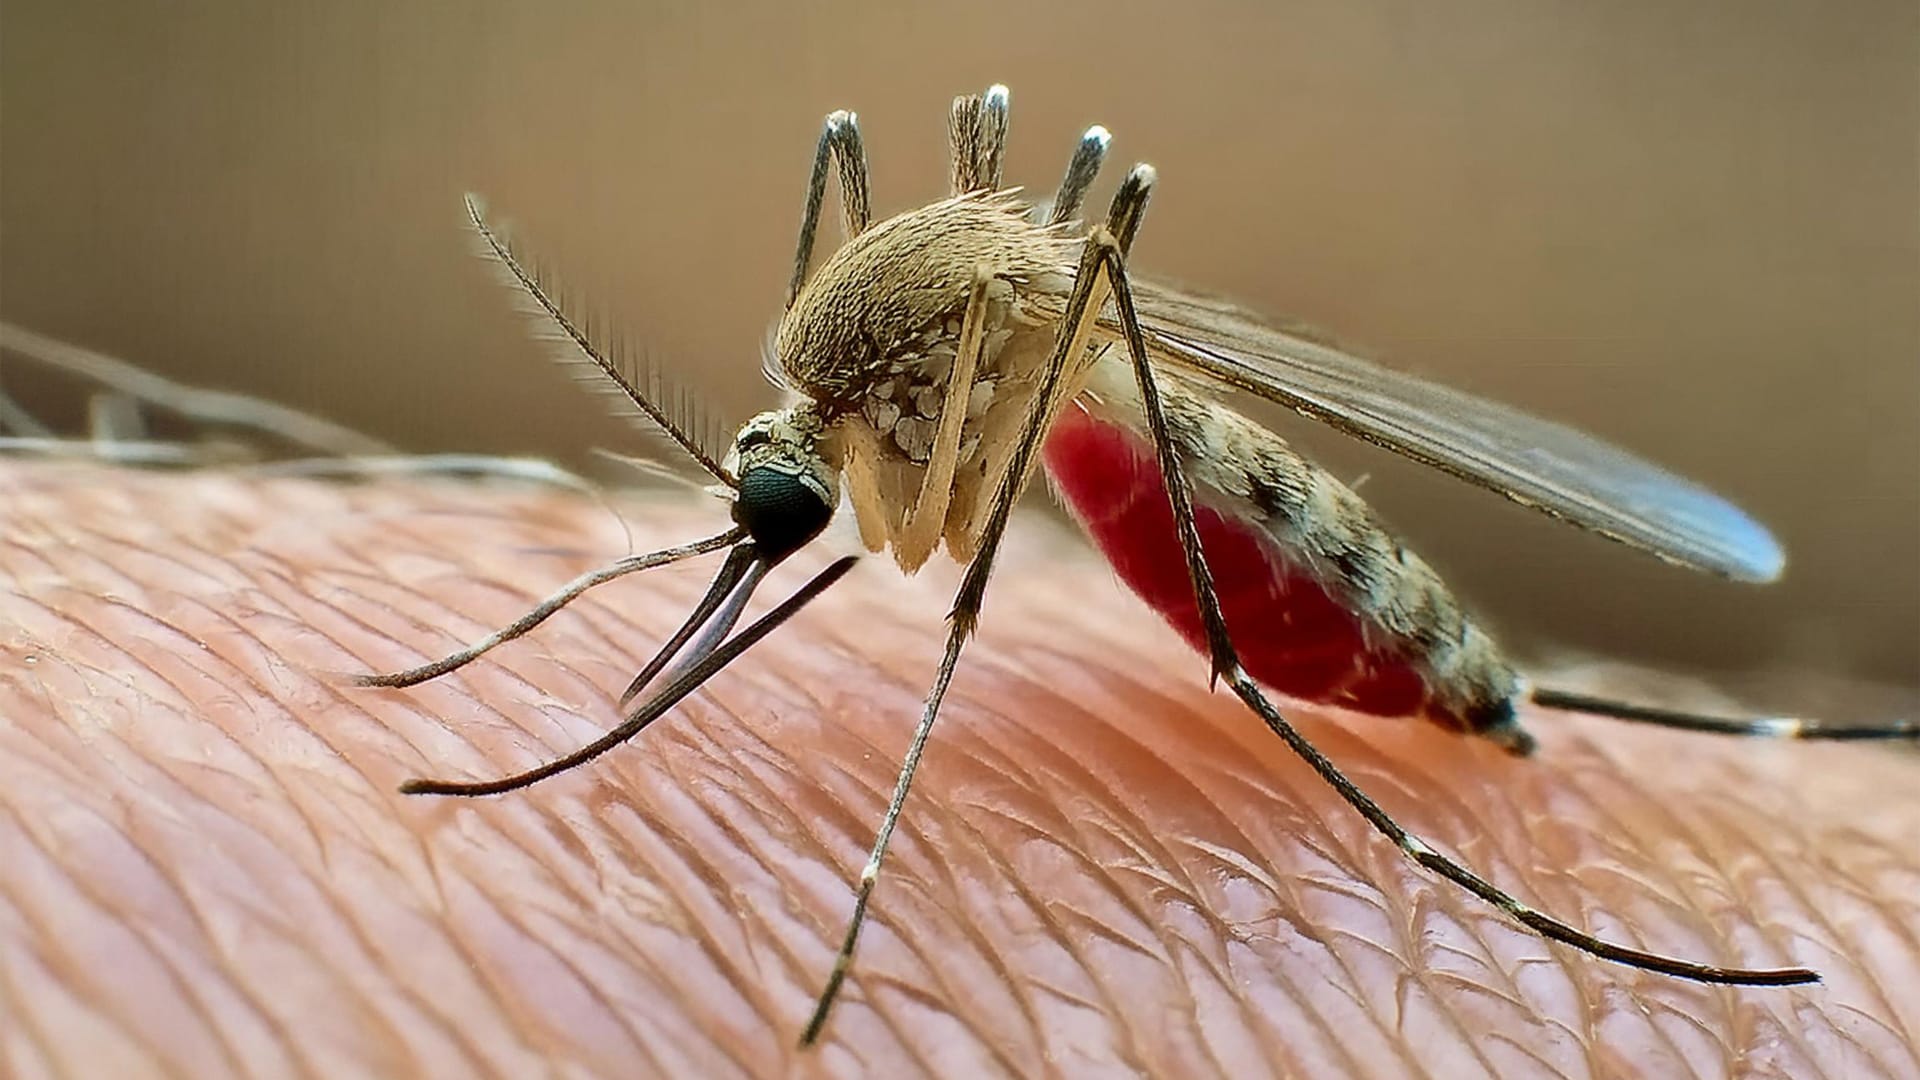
{"x": 1103, "y": 870}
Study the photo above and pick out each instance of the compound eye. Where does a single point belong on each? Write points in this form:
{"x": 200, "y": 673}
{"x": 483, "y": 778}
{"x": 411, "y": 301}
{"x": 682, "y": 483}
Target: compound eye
{"x": 778, "y": 511}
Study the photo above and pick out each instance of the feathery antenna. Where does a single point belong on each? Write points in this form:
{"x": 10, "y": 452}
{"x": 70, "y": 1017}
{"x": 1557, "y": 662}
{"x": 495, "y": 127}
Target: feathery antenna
{"x": 638, "y": 385}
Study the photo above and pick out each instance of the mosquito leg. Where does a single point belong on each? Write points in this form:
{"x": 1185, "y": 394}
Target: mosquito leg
{"x": 561, "y": 598}
{"x": 1774, "y": 727}
{"x": 1226, "y": 663}
{"x": 977, "y": 138}
{"x": 1082, "y": 168}
{"x": 963, "y": 121}
{"x": 927, "y": 517}
{"x": 990, "y": 139}
{"x": 1070, "y": 347}
{"x": 839, "y": 142}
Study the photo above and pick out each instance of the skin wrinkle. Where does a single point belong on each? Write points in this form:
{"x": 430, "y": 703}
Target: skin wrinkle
{"x": 911, "y": 891}
{"x": 743, "y": 976}
{"x": 548, "y": 848}
{"x": 499, "y": 902}
{"x": 1686, "y": 898}
{"x": 745, "y": 992}
{"x": 1048, "y": 916}
{"x": 205, "y": 654}
{"x": 938, "y": 977}
{"x": 1688, "y": 893}
{"x": 13, "y": 1004}
{"x": 534, "y": 1022}
{"x": 1222, "y": 967}
{"x": 1006, "y": 857}
{"x": 991, "y": 957}
{"x": 1473, "y": 828}
{"x": 1205, "y": 1044}
{"x": 193, "y": 799}
{"x": 750, "y": 979}
{"x": 1409, "y": 943}
{"x": 1555, "y": 885}
{"x": 1545, "y": 1067}
{"x": 900, "y": 1025}
{"x": 635, "y": 1027}
{"x": 175, "y": 962}
{"x": 1903, "y": 1035}
{"x": 689, "y": 738}
{"x": 48, "y": 756}
{"x": 1686, "y": 904}
{"x": 1188, "y": 886}
{"x": 97, "y": 903}
{"x": 17, "y": 1009}
{"x": 1582, "y": 1005}
{"x": 321, "y": 850}
{"x": 481, "y": 535}
{"x": 1074, "y": 774}
{"x": 1340, "y": 960}
{"x": 916, "y": 835}
{"x": 1528, "y": 822}
{"x": 1111, "y": 798}
{"x": 211, "y": 1011}
{"x": 424, "y": 626}
{"x": 1280, "y": 1054}
{"x": 1045, "y": 909}
{"x": 1411, "y": 981}
{"x": 319, "y": 958}
{"x": 1191, "y": 887}
{"x": 456, "y": 940}
{"x": 1419, "y": 888}
{"x": 127, "y": 554}
{"x": 1064, "y": 824}
{"x": 1817, "y": 915}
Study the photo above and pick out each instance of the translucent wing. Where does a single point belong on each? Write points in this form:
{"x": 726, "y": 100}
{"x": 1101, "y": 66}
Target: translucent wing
{"x": 1534, "y": 462}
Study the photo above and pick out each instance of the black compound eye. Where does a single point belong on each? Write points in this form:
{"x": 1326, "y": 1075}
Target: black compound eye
{"x": 778, "y": 511}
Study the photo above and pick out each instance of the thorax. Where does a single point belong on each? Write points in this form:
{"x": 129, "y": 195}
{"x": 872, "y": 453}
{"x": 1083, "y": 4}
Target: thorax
{"x": 872, "y": 341}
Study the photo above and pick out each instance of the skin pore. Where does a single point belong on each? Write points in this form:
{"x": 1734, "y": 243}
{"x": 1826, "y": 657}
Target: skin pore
{"x": 1103, "y": 869}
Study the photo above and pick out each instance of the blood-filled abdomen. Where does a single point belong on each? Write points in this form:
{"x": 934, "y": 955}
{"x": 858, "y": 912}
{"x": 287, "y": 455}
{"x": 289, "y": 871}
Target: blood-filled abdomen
{"x": 1291, "y": 633}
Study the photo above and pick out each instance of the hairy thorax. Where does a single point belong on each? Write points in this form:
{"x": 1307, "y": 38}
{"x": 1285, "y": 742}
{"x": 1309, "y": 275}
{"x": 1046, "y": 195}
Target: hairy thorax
{"x": 872, "y": 341}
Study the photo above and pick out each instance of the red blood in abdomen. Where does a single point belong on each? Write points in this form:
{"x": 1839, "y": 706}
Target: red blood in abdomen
{"x": 1290, "y": 633}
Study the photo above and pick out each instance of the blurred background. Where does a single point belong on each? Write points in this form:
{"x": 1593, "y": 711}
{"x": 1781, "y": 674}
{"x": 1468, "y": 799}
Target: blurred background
{"x": 1689, "y": 228}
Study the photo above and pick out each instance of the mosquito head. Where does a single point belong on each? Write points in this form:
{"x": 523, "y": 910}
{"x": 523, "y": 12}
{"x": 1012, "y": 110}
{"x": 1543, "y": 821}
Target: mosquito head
{"x": 788, "y": 487}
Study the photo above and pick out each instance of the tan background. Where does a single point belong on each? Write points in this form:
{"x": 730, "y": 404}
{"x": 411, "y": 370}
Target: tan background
{"x": 1690, "y": 228}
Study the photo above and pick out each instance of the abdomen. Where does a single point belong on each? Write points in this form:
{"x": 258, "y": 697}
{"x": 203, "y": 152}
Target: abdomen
{"x": 1313, "y": 612}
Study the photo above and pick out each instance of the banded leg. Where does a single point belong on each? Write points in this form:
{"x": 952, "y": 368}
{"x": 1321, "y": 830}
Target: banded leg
{"x": 1765, "y": 727}
{"x": 839, "y": 143}
{"x": 1226, "y": 663}
{"x": 1070, "y": 346}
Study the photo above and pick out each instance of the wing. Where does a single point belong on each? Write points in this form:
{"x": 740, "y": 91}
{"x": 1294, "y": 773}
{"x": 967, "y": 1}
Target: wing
{"x": 1553, "y": 469}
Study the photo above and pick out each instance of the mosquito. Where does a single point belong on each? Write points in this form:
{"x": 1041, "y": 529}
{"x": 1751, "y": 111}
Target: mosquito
{"x": 940, "y": 359}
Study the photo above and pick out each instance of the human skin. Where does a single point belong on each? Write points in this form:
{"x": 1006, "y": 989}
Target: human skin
{"x": 1103, "y": 869}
